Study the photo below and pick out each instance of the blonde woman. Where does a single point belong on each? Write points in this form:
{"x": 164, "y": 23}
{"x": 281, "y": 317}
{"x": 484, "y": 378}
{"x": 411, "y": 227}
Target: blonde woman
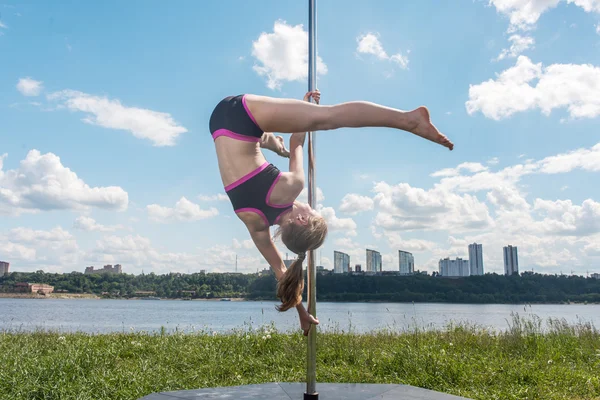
{"x": 263, "y": 196}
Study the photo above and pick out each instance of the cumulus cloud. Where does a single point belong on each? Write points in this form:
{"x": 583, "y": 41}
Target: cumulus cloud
{"x": 29, "y": 87}
{"x": 405, "y": 208}
{"x": 518, "y": 45}
{"x": 214, "y": 197}
{"x": 354, "y": 203}
{"x": 466, "y": 166}
{"x": 158, "y": 127}
{"x": 282, "y": 55}
{"x": 42, "y": 183}
{"x": 369, "y": 44}
{"x": 303, "y": 196}
{"x": 524, "y": 14}
{"x": 346, "y": 225}
{"x": 88, "y": 224}
{"x": 493, "y": 161}
{"x": 565, "y": 218}
{"x": 184, "y": 210}
{"x": 570, "y": 86}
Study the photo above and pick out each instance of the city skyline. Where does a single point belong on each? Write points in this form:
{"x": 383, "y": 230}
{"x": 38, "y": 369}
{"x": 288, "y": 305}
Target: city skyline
{"x": 476, "y": 259}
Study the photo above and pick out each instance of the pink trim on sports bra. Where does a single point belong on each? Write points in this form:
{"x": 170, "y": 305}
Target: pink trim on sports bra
{"x": 248, "y": 112}
{"x": 233, "y": 135}
{"x": 246, "y": 177}
{"x": 254, "y": 210}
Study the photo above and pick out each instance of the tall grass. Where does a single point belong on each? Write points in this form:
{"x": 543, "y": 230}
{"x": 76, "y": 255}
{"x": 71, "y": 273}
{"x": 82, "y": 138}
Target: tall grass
{"x": 533, "y": 359}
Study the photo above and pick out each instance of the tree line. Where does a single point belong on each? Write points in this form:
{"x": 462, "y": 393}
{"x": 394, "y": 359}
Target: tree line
{"x": 490, "y": 288}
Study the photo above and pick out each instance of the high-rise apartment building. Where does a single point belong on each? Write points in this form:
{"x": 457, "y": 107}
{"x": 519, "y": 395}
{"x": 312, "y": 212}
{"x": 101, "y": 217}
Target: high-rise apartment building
{"x": 511, "y": 260}
{"x": 407, "y": 263}
{"x": 107, "y": 269}
{"x": 341, "y": 262}
{"x": 454, "y": 268}
{"x": 476, "y": 259}
{"x": 373, "y": 261}
{"x": 4, "y": 268}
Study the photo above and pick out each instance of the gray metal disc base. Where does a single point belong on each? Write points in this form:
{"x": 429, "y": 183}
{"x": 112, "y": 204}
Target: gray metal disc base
{"x": 295, "y": 391}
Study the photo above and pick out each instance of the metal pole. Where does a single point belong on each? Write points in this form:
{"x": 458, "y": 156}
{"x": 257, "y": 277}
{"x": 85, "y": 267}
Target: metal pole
{"x": 311, "y": 353}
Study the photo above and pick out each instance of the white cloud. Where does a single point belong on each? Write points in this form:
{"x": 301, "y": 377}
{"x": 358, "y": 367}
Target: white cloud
{"x": 518, "y": 45}
{"x": 42, "y": 183}
{"x": 215, "y": 197}
{"x": 88, "y": 224}
{"x": 598, "y": 29}
{"x": 412, "y": 245}
{"x": 493, "y": 161}
{"x": 586, "y": 159}
{"x": 524, "y": 14}
{"x": 346, "y": 225}
{"x": 136, "y": 253}
{"x": 158, "y": 127}
{"x": 283, "y": 55}
{"x": 354, "y": 203}
{"x": 369, "y": 44}
{"x": 467, "y": 166}
{"x": 184, "y": 210}
{"x": 3, "y": 26}
{"x": 570, "y": 86}
{"x": 29, "y": 87}
{"x": 303, "y": 196}
{"x": 565, "y": 218}
{"x": 402, "y": 207}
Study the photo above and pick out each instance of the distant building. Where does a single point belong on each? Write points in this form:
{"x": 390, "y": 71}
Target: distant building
{"x": 407, "y": 263}
{"x": 454, "y": 268}
{"x": 511, "y": 260}
{"x": 4, "y": 268}
{"x": 595, "y": 276}
{"x": 341, "y": 262}
{"x": 357, "y": 268}
{"x": 373, "y": 261}
{"x": 288, "y": 263}
{"x": 25, "y": 287}
{"x": 476, "y": 259}
{"x": 107, "y": 269}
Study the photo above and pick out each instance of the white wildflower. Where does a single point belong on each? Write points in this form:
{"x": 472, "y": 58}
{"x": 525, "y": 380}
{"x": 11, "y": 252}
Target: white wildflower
{"x": 268, "y": 336}
{"x": 62, "y": 338}
{"x": 550, "y": 361}
{"x": 264, "y": 338}
{"x": 247, "y": 336}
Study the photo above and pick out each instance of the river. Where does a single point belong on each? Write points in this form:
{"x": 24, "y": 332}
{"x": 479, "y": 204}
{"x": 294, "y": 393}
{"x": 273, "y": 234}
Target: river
{"x": 102, "y": 316}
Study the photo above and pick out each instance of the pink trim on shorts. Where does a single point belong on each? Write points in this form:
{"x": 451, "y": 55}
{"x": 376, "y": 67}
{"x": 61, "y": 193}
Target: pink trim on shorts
{"x": 254, "y": 210}
{"x": 246, "y": 177}
{"x": 248, "y": 112}
{"x": 233, "y": 135}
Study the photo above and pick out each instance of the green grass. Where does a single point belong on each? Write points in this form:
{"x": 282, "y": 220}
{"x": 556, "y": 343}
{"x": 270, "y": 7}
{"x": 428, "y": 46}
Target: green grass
{"x": 530, "y": 360}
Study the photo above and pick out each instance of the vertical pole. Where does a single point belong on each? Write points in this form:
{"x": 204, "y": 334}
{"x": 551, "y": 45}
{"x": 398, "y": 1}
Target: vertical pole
{"x": 311, "y": 353}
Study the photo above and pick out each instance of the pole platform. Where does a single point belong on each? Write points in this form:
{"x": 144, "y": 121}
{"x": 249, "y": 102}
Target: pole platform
{"x": 295, "y": 391}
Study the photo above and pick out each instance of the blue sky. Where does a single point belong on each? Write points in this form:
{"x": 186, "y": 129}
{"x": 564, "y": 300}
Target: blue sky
{"x": 107, "y": 158}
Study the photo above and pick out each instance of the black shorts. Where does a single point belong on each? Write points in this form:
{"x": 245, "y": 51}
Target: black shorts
{"x": 232, "y": 118}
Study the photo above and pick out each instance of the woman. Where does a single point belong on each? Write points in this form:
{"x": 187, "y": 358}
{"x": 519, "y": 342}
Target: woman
{"x": 263, "y": 196}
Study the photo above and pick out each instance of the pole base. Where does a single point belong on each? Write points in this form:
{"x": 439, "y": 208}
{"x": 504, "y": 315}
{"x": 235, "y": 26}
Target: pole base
{"x": 311, "y": 396}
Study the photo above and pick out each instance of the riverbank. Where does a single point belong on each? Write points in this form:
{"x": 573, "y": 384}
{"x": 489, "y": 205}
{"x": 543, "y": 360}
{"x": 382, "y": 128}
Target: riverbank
{"x": 92, "y": 296}
{"x": 521, "y": 363}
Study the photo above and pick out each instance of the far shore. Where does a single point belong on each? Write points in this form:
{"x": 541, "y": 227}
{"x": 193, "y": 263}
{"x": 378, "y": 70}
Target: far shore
{"x": 91, "y": 296}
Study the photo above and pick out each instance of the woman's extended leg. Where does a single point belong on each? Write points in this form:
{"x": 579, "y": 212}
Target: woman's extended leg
{"x": 290, "y": 115}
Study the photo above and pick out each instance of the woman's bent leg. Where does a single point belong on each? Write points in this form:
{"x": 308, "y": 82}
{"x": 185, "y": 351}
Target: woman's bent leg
{"x": 290, "y": 115}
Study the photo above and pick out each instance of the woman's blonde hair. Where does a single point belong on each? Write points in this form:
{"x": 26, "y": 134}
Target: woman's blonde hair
{"x": 298, "y": 239}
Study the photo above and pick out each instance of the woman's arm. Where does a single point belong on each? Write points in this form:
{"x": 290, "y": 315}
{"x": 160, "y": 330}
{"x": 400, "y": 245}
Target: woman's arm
{"x": 297, "y": 146}
{"x": 264, "y": 243}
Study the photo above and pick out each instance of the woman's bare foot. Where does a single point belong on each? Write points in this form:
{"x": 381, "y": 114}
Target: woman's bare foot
{"x": 424, "y": 128}
{"x": 306, "y": 321}
{"x": 275, "y": 144}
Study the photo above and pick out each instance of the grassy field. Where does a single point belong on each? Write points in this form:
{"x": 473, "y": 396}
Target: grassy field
{"x": 531, "y": 360}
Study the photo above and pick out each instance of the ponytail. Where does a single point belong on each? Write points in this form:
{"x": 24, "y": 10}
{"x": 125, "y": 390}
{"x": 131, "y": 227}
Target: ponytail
{"x": 291, "y": 286}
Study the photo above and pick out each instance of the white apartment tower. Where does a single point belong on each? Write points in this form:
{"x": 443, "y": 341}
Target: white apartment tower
{"x": 341, "y": 262}
{"x": 454, "y": 268}
{"x": 407, "y": 263}
{"x": 476, "y": 259}
{"x": 373, "y": 261}
{"x": 511, "y": 260}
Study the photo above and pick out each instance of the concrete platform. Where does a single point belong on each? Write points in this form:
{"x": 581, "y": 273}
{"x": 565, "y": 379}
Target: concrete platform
{"x": 295, "y": 391}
